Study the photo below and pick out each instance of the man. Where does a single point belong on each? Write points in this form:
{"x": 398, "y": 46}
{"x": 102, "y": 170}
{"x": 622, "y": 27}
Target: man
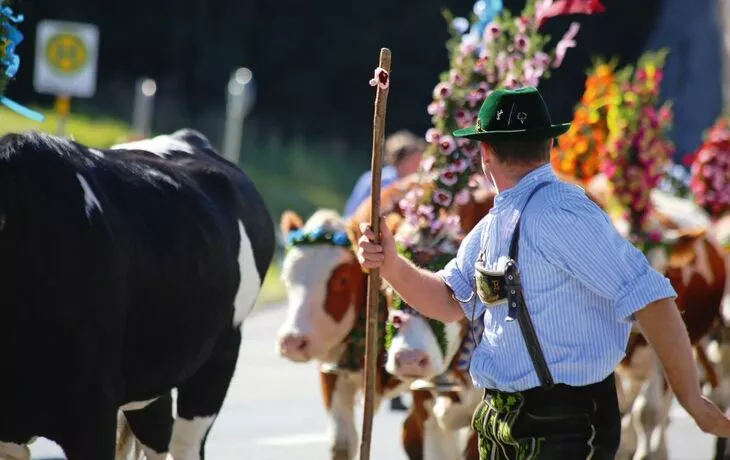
{"x": 548, "y": 377}
{"x": 403, "y": 152}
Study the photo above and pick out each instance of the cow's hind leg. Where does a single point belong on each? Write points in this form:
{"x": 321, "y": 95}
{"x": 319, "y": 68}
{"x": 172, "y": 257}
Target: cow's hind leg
{"x": 200, "y": 399}
{"x": 152, "y": 426}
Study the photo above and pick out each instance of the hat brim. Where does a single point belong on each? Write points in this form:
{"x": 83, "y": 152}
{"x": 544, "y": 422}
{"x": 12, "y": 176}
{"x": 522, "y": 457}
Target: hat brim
{"x": 546, "y": 133}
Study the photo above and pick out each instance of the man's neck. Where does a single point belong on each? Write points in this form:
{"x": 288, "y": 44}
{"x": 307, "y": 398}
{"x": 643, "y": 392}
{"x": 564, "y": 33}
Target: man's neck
{"x": 509, "y": 176}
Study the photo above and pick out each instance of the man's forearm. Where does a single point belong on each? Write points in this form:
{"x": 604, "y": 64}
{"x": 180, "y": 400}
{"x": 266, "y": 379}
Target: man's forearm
{"x": 424, "y": 291}
{"x": 665, "y": 331}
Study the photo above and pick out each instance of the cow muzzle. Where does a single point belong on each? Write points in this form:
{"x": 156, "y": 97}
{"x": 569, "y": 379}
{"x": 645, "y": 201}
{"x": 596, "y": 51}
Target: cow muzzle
{"x": 295, "y": 347}
{"x": 412, "y": 363}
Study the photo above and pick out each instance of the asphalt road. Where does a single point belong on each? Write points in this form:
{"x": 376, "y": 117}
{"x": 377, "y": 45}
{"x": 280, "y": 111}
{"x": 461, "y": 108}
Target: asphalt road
{"x": 273, "y": 411}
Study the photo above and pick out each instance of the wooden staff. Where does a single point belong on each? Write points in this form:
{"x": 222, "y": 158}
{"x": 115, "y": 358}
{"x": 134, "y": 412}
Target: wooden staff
{"x": 382, "y": 83}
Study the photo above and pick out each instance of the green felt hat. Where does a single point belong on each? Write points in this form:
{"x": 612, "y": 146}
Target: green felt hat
{"x": 519, "y": 114}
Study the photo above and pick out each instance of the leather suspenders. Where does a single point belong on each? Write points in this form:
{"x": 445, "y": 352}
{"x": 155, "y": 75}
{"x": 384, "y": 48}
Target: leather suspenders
{"x": 517, "y": 309}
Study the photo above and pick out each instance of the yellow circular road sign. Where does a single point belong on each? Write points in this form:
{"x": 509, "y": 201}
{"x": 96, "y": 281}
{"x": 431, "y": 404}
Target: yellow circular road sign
{"x": 66, "y": 53}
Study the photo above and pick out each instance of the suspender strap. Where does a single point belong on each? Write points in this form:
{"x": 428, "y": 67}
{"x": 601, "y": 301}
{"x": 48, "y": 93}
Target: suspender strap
{"x": 518, "y": 308}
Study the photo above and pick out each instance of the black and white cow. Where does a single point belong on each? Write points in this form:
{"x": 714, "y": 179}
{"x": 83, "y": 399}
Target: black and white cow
{"x": 124, "y": 273}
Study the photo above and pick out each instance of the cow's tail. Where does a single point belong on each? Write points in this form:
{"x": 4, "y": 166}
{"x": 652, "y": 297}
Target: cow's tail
{"x": 127, "y": 446}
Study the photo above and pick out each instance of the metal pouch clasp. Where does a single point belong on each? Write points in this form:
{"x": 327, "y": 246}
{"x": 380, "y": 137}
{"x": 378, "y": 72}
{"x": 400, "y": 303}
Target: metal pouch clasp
{"x": 513, "y": 289}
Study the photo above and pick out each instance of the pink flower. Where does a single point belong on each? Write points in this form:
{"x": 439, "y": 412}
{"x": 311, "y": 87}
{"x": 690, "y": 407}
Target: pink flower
{"x": 462, "y": 197}
{"x": 448, "y": 178}
{"x": 492, "y": 31}
{"x": 442, "y": 90}
{"x": 521, "y": 23}
{"x": 501, "y": 62}
{"x": 468, "y": 45}
{"x": 568, "y": 41}
{"x": 510, "y": 82}
{"x": 455, "y": 77}
{"x": 380, "y": 78}
{"x": 426, "y": 210}
{"x": 479, "y": 65}
{"x": 432, "y": 135}
{"x": 463, "y": 118}
{"x": 471, "y": 150}
{"x": 437, "y": 108}
{"x": 447, "y": 145}
{"x": 541, "y": 60}
{"x": 442, "y": 197}
{"x": 459, "y": 165}
{"x": 475, "y": 98}
{"x": 522, "y": 43}
{"x": 427, "y": 163}
{"x": 436, "y": 225}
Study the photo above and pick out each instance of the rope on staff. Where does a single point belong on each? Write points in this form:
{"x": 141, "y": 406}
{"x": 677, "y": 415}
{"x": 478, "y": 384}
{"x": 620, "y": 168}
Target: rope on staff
{"x": 381, "y": 80}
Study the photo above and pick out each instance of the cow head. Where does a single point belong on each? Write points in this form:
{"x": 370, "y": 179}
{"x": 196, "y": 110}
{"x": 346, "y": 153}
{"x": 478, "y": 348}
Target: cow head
{"x": 324, "y": 283}
{"x": 418, "y": 347}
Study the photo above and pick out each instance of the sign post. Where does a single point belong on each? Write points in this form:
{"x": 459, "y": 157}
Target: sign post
{"x": 144, "y": 104}
{"x": 239, "y": 103}
{"x": 66, "y": 58}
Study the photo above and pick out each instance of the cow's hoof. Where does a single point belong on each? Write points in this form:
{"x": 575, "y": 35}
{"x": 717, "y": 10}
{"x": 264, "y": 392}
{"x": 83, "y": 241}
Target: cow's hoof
{"x": 396, "y": 404}
{"x": 341, "y": 454}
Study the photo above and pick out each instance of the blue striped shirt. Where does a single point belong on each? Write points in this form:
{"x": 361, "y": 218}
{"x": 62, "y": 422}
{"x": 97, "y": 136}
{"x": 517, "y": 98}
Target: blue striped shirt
{"x": 582, "y": 282}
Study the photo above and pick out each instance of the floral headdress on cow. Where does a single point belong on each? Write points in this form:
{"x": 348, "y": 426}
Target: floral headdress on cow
{"x": 10, "y": 38}
{"x": 497, "y": 51}
{"x": 710, "y": 169}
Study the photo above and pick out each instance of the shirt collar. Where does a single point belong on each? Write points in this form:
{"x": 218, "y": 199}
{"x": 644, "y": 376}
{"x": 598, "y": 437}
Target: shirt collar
{"x": 516, "y": 194}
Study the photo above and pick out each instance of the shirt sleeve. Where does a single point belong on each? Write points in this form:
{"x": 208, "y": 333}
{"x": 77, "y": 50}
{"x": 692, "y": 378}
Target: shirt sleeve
{"x": 577, "y": 236}
{"x": 458, "y": 274}
{"x": 359, "y": 193}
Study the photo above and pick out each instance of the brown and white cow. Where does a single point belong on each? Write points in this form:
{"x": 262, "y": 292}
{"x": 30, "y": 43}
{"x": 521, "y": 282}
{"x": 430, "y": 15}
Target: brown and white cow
{"x": 444, "y": 400}
{"x": 326, "y": 291}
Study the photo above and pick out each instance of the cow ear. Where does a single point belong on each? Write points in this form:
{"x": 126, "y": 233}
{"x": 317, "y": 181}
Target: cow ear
{"x": 290, "y": 220}
{"x": 682, "y": 249}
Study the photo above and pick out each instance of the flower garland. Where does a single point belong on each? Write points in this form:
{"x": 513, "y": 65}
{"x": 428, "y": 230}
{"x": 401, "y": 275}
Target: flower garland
{"x": 710, "y": 169}
{"x": 318, "y": 235}
{"x": 578, "y": 152}
{"x": 508, "y": 53}
{"x": 638, "y": 149}
{"x": 10, "y": 38}
{"x": 498, "y": 50}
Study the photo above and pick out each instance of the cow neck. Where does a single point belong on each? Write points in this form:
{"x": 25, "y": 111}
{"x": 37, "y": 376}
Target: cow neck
{"x": 432, "y": 262}
{"x": 353, "y": 357}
